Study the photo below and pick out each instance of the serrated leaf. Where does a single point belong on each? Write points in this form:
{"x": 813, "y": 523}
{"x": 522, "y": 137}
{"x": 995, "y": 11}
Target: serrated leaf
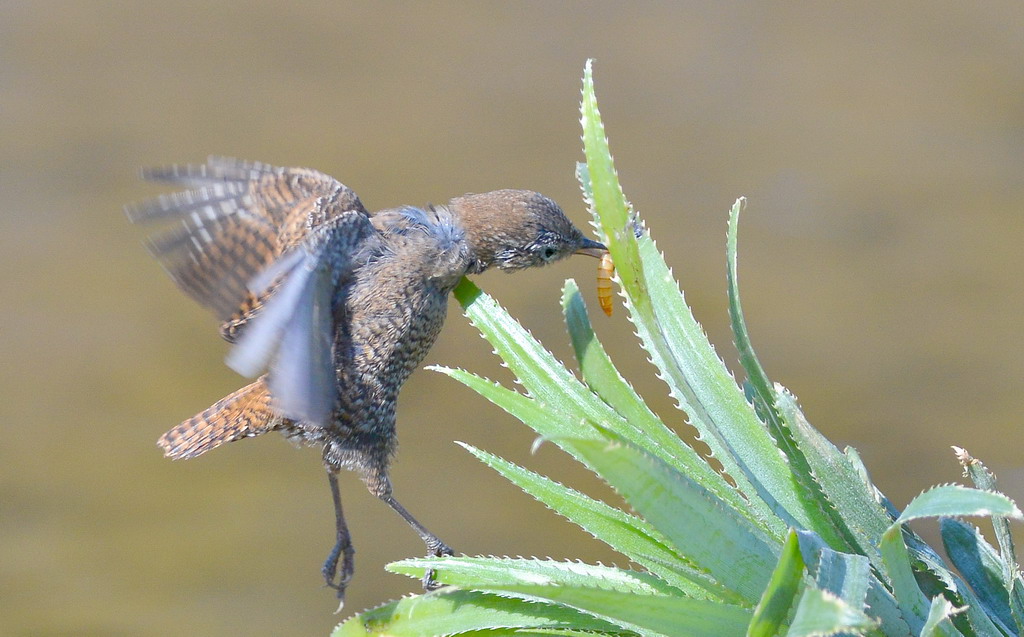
{"x": 974, "y": 620}
{"x": 984, "y": 479}
{"x": 551, "y": 386}
{"x": 821, "y": 613}
{"x": 494, "y": 573}
{"x": 453, "y": 612}
{"x": 647, "y": 614}
{"x": 980, "y": 565}
{"x": 550, "y": 424}
{"x": 896, "y": 560}
{"x": 849, "y": 577}
{"x": 541, "y": 374}
{"x": 823, "y": 513}
{"x": 862, "y": 520}
{"x": 696, "y": 376}
{"x": 699, "y": 525}
{"x": 934, "y": 578}
{"x": 857, "y": 463}
{"x": 600, "y": 374}
{"x": 627, "y": 534}
{"x": 896, "y": 563}
{"x": 602, "y": 184}
{"x": 534, "y": 632}
{"x": 939, "y": 618}
{"x": 537, "y": 632}
{"x": 1017, "y": 601}
{"x": 844, "y": 575}
{"x": 776, "y": 602}
{"x": 956, "y": 500}
{"x": 748, "y": 357}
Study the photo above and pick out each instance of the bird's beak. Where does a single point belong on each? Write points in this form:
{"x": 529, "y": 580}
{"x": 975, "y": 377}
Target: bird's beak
{"x": 592, "y": 249}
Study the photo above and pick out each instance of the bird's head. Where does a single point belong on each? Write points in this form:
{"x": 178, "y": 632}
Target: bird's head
{"x": 516, "y": 229}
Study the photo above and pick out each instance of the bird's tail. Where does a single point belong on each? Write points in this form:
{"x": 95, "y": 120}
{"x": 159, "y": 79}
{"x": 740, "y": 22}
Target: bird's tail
{"x": 243, "y": 414}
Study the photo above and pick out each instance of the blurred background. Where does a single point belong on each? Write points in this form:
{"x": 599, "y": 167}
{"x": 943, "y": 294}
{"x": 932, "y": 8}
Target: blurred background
{"x": 880, "y": 148}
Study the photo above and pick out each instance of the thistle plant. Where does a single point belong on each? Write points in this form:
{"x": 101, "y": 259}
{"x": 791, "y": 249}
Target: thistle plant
{"x": 788, "y": 536}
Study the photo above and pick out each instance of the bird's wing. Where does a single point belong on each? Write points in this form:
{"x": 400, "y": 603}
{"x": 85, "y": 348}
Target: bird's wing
{"x": 295, "y": 331}
{"x": 235, "y": 220}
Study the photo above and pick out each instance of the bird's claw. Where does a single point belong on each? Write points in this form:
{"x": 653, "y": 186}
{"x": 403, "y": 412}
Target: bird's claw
{"x": 440, "y": 549}
{"x": 344, "y": 553}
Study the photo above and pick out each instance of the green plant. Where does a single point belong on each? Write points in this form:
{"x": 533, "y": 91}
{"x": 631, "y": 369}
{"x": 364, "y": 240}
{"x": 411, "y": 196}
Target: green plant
{"x": 796, "y": 541}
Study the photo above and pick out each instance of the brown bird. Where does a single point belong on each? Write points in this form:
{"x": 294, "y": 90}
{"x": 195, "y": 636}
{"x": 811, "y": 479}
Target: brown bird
{"x": 340, "y": 305}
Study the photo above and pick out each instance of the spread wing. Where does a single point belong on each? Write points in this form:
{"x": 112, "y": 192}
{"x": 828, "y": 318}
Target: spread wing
{"x": 235, "y": 220}
{"x": 274, "y": 247}
{"x": 295, "y": 332}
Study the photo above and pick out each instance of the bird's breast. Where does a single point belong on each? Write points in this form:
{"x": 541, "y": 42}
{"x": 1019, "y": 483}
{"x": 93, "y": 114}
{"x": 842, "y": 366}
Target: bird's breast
{"x": 395, "y": 313}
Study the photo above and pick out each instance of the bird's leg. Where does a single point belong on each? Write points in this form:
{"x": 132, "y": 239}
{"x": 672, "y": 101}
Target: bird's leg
{"x": 435, "y": 547}
{"x": 342, "y": 548}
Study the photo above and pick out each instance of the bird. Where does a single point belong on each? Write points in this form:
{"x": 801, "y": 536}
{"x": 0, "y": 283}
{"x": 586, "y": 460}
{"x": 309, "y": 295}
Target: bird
{"x": 330, "y": 307}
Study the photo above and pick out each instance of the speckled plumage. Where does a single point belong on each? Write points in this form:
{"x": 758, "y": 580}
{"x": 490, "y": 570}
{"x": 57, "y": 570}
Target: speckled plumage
{"x": 341, "y": 305}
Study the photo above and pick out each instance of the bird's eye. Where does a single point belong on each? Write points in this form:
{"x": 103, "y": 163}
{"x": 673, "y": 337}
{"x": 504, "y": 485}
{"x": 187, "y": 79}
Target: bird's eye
{"x": 548, "y": 253}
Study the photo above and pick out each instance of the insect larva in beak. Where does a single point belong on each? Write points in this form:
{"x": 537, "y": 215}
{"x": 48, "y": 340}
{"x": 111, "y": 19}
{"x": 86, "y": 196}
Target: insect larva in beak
{"x": 605, "y": 269}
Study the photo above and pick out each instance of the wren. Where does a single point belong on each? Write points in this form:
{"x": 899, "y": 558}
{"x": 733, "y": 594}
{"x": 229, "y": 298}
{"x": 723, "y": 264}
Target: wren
{"x": 337, "y": 305}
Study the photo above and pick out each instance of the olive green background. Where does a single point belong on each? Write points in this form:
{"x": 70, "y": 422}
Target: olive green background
{"x": 880, "y": 146}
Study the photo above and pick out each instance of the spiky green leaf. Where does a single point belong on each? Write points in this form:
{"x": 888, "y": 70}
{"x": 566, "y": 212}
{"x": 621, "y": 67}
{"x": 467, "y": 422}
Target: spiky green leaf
{"x": 896, "y": 562}
{"x": 947, "y": 500}
{"x": 553, "y": 387}
{"x": 939, "y": 620}
{"x": 776, "y": 602}
{"x": 453, "y": 612}
{"x": 653, "y": 615}
{"x": 729, "y": 547}
{"x": 496, "y": 573}
{"x": 820, "y": 613}
{"x": 627, "y": 534}
{"x": 696, "y": 376}
{"x": 819, "y": 511}
{"x": 601, "y": 375}
{"x": 849, "y": 577}
{"x": 984, "y": 479}
{"x": 980, "y": 565}
{"x": 956, "y": 500}
{"x": 862, "y": 520}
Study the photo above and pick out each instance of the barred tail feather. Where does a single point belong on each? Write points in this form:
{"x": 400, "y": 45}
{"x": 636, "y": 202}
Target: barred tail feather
{"x": 243, "y": 414}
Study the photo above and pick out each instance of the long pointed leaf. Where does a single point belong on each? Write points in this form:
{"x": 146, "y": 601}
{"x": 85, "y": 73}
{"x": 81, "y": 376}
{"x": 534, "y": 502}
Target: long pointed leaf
{"x": 647, "y": 614}
{"x": 980, "y": 565}
{"x": 550, "y": 424}
{"x": 939, "y": 621}
{"x": 901, "y": 576}
{"x": 627, "y": 534}
{"x": 821, "y": 613}
{"x": 863, "y": 519}
{"x": 606, "y": 523}
{"x": 955, "y": 500}
{"x": 734, "y": 551}
{"x": 493, "y": 573}
{"x": 601, "y": 376}
{"x": 777, "y": 600}
{"x": 818, "y": 509}
{"x": 451, "y": 612}
{"x": 847, "y": 576}
{"x": 947, "y": 500}
{"x": 696, "y": 376}
{"x": 985, "y": 479}
{"x": 544, "y": 377}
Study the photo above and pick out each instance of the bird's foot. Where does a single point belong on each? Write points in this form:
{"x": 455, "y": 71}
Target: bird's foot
{"x": 344, "y": 553}
{"x": 435, "y": 549}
